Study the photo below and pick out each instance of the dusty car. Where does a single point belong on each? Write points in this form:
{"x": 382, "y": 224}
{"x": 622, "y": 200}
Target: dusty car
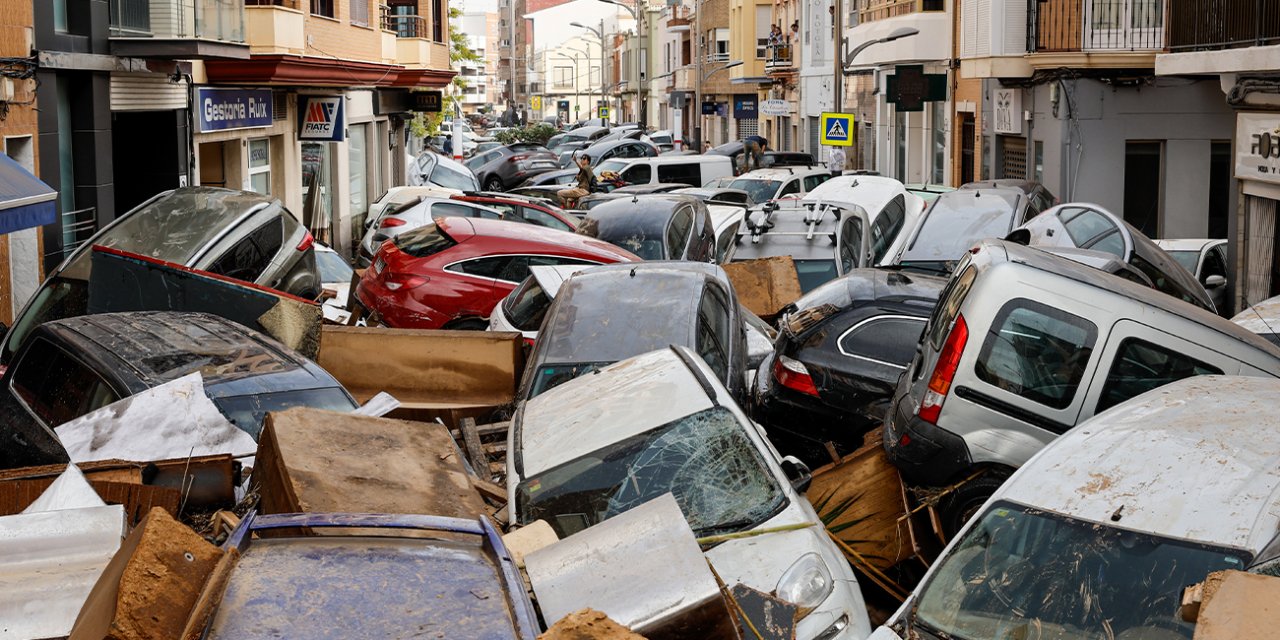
{"x": 663, "y": 423}
{"x": 525, "y": 307}
{"x": 431, "y": 169}
{"x": 510, "y": 165}
{"x": 606, "y": 149}
{"x": 893, "y": 209}
{"x": 769, "y": 184}
{"x": 1024, "y": 345}
{"x": 654, "y": 227}
{"x": 954, "y": 222}
{"x": 531, "y": 210}
{"x": 603, "y": 315}
{"x": 837, "y": 359}
{"x": 825, "y": 240}
{"x": 454, "y": 574}
{"x": 72, "y": 366}
{"x": 238, "y": 234}
{"x": 1206, "y": 259}
{"x": 1041, "y": 198}
{"x": 717, "y": 195}
{"x": 1263, "y": 319}
{"x": 450, "y": 273}
{"x": 1089, "y": 226}
{"x": 413, "y": 215}
{"x": 558, "y": 178}
{"x": 770, "y": 158}
{"x": 1099, "y": 533}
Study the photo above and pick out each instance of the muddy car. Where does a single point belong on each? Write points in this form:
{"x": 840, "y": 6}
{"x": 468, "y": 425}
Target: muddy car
{"x": 72, "y": 366}
{"x": 1099, "y": 533}
{"x": 654, "y": 227}
{"x": 662, "y": 423}
{"x": 236, "y": 234}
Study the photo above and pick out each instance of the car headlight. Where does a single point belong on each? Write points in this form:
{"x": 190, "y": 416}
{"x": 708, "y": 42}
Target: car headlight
{"x": 806, "y": 583}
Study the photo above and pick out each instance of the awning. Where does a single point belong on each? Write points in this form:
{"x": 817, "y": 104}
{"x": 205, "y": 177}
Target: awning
{"x": 25, "y": 201}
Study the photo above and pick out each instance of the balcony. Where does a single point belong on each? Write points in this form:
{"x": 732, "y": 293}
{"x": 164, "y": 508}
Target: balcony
{"x": 419, "y": 44}
{"x": 872, "y": 10}
{"x": 1100, "y": 34}
{"x": 189, "y": 29}
{"x": 1235, "y": 23}
{"x": 779, "y": 59}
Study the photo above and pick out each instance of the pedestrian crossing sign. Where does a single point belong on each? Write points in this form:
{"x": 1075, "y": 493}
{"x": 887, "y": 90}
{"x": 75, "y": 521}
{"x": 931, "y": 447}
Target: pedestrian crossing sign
{"x": 602, "y": 112}
{"x": 837, "y": 129}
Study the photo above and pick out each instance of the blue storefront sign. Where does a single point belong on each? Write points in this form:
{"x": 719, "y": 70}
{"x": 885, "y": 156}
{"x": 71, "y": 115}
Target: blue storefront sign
{"x": 321, "y": 118}
{"x": 222, "y": 109}
{"x": 745, "y": 106}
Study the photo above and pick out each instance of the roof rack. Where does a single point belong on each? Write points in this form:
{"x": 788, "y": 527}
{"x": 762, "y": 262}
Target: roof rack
{"x": 761, "y": 220}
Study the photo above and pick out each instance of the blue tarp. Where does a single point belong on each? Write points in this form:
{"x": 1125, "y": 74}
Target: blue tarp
{"x": 25, "y": 201}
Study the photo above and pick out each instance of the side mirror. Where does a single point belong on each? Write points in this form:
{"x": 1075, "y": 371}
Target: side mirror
{"x": 1215, "y": 281}
{"x": 797, "y": 472}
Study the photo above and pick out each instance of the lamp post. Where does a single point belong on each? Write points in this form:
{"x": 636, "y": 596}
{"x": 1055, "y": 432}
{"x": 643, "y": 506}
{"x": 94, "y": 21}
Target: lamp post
{"x": 599, "y": 33}
{"x": 574, "y": 60}
{"x": 638, "y": 14}
{"x": 843, "y": 62}
{"x": 586, "y": 56}
{"x": 697, "y": 97}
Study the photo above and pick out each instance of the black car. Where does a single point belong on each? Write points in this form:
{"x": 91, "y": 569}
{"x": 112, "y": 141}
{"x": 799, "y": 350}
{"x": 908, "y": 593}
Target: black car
{"x": 70, "y": 367}
{"x": 610, "y": 313}
{"x": 769, "y": 159}
{"x": 839, "y": 353}
{"x": 655, "y": 227}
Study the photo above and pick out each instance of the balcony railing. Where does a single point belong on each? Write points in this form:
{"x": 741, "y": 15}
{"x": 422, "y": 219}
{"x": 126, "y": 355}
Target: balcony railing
{"x": 288, "y": 4}
{"x": 405, "y": 26}
{"x": 870, "y": 10}
{"x": 778, "y": 57}
{"x": 221, "y": 20}
{"x": 1096, "y": 25}
{"x": 1234, "y": 23}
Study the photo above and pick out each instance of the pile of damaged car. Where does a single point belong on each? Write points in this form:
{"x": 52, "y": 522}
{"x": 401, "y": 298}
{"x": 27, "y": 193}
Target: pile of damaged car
{"x": 777, "y": 406}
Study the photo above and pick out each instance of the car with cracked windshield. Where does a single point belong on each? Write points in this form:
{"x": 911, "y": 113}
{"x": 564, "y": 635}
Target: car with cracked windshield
{"x": 661, "y": 423}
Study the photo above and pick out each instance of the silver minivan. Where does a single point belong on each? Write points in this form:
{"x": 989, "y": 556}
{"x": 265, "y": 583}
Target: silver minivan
{"x": 1023, "y": 345}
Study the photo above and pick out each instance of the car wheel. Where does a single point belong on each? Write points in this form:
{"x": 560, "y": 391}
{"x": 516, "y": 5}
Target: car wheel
{"x": 468, "y": 324}
{"x": 493, "y": 183}
{"x": 963, "y": 503}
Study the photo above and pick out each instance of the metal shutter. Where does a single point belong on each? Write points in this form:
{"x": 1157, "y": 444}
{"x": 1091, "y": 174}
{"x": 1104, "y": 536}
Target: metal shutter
{"x": 1013, "y": 161}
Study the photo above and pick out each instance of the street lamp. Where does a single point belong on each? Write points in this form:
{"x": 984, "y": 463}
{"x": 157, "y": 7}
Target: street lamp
{"x": 639, "y": 16}
{"x": 574, "y": 60}
{"x": 697, "y": 99}
{"x": 843, "y": 65}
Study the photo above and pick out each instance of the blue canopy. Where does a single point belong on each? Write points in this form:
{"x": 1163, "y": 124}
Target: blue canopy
{"x": 25, "y": 201}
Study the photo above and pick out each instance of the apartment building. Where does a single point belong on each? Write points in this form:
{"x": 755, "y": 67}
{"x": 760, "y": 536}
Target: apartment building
{"x": 749, "y": 25}
{"x": 1237, "y": 52}
{"x": 572, "y": 79}
{"x": 316, "y": 114}
{"x": 482, "y": 31}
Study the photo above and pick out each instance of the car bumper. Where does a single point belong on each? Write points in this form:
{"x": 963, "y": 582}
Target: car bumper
{"x": 924, "y": 453}
{"x": 800, "y": 424}
{"x": 399, "y": 310}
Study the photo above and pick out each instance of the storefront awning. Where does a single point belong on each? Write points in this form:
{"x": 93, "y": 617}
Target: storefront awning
{"x": 25, "y": 201}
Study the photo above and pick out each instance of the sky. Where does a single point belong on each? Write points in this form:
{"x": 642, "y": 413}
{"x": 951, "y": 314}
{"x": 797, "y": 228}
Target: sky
{"x": 477, "y": 5}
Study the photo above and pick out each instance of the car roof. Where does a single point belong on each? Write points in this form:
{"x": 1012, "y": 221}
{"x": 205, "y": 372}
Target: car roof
{"x": 570, "y": 420}
{"x": 781, "y": 173}
{"x": 162, "y": 346}
{"x": 1025, "y": 186}
{"x": 602, "y": 147}
{"x": 608, "y": 313}
{"x": 462, "y": 229}
{"x": 1261, "y": 317}
{"x": 686, "y": 159}
{"x": 1186, "y": 244}
{"x": 172, "y": 214}
{"x": 871, "y": 192}
{"x": 788, "y": 234}
{"x": 1005, "y": 251}
{"x": 1194, "y": 459}
{"x": 640, "y": 212}
{"x": 870, "y": 284}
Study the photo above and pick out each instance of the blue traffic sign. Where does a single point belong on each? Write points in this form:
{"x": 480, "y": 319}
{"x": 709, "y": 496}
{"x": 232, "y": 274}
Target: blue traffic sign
{"x": 837, "y": 129}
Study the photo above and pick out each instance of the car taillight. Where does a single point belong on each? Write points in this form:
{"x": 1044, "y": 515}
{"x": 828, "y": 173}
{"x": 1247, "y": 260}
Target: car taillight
{"x": 307, "y": 241}
{"x": 518, "y": 157}
{"x": 944, "y": 372}
{"x": 387, "y": 223}
{"x": 793, "y": 375}
{"x": 398, "y": 281}
{"x": 528, "y": 342}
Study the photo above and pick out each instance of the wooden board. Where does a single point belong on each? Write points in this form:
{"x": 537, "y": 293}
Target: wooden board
{"x": 765, "y": 285}
{"x": 1238, "y": 605}
{"x": 321, "y": 461}
{"x": 871, "y": 486}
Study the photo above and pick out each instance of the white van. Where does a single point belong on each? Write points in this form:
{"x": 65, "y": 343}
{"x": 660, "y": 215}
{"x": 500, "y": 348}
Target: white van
{"x": 694, "y": 171}
{"x": 1096, "y": 536}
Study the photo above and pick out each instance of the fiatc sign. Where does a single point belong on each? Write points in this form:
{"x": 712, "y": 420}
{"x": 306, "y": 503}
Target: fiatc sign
{"x": 223, "y": 109}
{"x": 1258, "y": 147}
{"x": 321, "y": 118}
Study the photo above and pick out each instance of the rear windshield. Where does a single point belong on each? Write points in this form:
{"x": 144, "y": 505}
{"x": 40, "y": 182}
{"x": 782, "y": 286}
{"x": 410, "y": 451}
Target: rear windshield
{"x": 527, "y": 306}
{"x": 550, "y": 377}
{"x": 760, "y": 190}
{"x": 424, "y": 241}
{"x": 247, "y": 412}
{"x": 451, "y": 179}
{"x": 948, "y": 232}
{"x": 814, "y": 273}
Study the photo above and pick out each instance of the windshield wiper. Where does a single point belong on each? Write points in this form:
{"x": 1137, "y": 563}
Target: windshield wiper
{"x": 920, "y": 625}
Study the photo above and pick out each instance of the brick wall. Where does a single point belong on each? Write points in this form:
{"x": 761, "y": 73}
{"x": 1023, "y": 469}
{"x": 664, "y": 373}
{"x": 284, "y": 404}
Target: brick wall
{"x": 16, "y": 20}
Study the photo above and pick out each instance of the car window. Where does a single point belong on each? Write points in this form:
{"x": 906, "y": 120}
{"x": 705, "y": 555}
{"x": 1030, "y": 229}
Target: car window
{"x": 812, "y": 182}
{"x": 678, "y": 233}
{"x": 640, "y": 173}
{"x": 685, "y": 173}
{"x": 713, "y": 332}
{"x": 544, "y": 219}
{"x": 332, "y": 267}
{"x": 886, "y": 227}
{"x": 726, "y": 242}
{"x": 1141, "y": 366}
{"x": 424, "y": 241}
{"x": 248, "y": 412}
{"x": 949, "y": 303}
{"x": 1112, "y": 243}
{"x": 248, "y": 258}
{"x": 760, "y": 190}
{"x": 814, "y": 273}
{"x": 518, "y": 268}
{"x": 56, "y": 387}
{"x": 462, "y": 210}
{"x": 889, "y": 340}
{"x": 1086, "y": 225}
{"x": 453, "y": 179}
{"x": 483, "y": 267}
{"x": 1214, "y": 264}
{"x": 527, "y": 306}
{"x": 1037, "y": 352}
{"x": 792, "y": 186}
{"x": 508, "y": 211}
{"x": 850, "y": 243}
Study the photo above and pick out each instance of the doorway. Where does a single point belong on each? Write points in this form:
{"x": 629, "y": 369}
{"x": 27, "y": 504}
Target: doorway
{"x": 968, "y": 140}
{"x": 1142, "y": 167}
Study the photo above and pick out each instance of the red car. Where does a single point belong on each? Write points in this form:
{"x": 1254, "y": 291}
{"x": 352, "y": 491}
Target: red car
{"x": 523, "y": 208}
{"x": 450, "y": 274}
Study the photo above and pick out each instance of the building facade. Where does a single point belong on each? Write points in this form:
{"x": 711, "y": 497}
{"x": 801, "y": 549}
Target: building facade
{"x": 21, "y": 250}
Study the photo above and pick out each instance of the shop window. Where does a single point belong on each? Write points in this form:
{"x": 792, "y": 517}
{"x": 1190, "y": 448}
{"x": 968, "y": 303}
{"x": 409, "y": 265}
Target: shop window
{"x": 260, "y": 165}
{"x": 322, "y": 8}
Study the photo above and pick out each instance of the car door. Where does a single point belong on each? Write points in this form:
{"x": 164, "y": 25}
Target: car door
{"x": 1215, "y": 264}
{"x": 792, "y": 187}
{"x": 517, "y": 269}
{"x": 858, "y": 362}
{"x": 474, "y": 289}
{"x": 251, "y": 251}
{"x": 679, "y": 234}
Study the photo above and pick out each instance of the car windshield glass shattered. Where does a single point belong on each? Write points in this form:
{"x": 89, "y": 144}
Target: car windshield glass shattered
{"x": 1023, "y": 572}
{"x": 705, "y": 460}
{"x": 949, "y": 231}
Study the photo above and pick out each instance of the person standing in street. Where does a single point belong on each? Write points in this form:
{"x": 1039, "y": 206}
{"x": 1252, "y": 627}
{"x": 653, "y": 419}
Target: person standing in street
{"x": 582, "y": 185}
{"x": 836, "y": 162}
{"x": 753, "y": 151}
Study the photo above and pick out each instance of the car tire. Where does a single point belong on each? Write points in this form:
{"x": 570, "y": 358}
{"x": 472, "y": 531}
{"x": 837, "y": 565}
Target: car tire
{"x": 493, "y": 183}
{"x": 468, "y": 324}
{"x": 955, "y": 509}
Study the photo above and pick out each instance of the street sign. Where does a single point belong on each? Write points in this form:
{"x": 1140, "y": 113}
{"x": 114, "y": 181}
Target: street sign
{"x": 321, "y": 118}
{"x": 837, "y": 129}
{"x": 535, "y": 103}
{"x": 775, "y": 107}
{"x": 427, "y": 101}
{"x": 602, "y": 112}
{"x": 708, "y": 108}
{"x": 744, "y": 106}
